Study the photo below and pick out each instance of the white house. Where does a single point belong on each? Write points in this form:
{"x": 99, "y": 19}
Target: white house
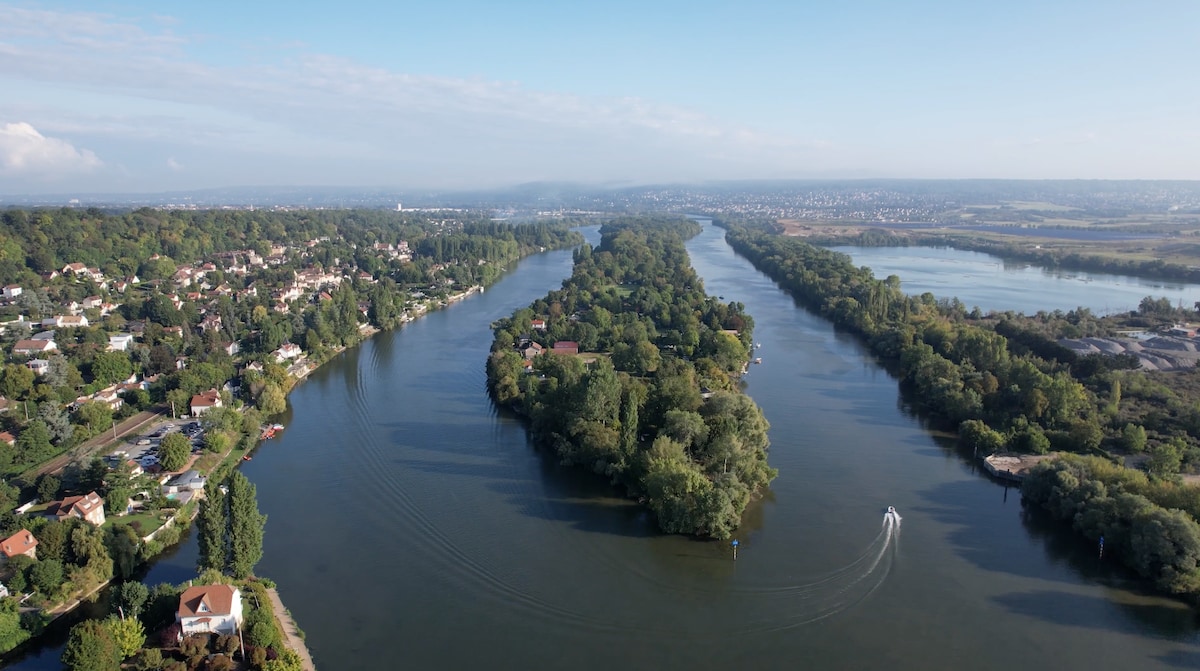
{"x": 120, "y": 342}
{"x": 12, "y": 291}
{"x": 38, "y": 366}
{"x": 287, "y": 351}
{"x": 190, "y": 480}
{"x": 211, "y": 609}
{"x": 205, "y": 401}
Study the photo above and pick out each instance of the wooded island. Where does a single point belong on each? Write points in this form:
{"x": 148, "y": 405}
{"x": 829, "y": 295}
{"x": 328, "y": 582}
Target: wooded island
{"x": 631, "y": 370}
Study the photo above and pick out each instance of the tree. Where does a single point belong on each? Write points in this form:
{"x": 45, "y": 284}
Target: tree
{"x": 130, "y": 598}
{"x": 95, "y": 415}
{"x": 174, "y": 451}
{"x": 127, "y": 634}
{"x": 1133, "y": 437}
{"x": 124, "y": 548}
{"x": 272, "y": 401}
{"x": 11, "y": 633}
{"x": 213, "y": 529}
{"x": 57, "y": 421}
{"x": 46, "y": 575}
{"x": 17, "y": 381}
{"x": 110, "y": 367}
{"x": 91, "y": 648}
{"x": 33, "y": 445}
{"x": 288, "y": 660}
{"x": 245, "y": 526}
{"x": 47, "y": 487}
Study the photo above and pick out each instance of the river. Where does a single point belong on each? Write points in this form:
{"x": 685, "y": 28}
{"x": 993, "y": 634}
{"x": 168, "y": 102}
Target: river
{"x": 991, "y": 283}
{"x": 411, "y": 524}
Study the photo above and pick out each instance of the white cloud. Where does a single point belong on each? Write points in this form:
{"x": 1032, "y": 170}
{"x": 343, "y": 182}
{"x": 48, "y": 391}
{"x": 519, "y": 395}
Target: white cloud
{"x": 309, "y": 111}
{"x": 173, "y": 164}
{"x": 25, "y": 151}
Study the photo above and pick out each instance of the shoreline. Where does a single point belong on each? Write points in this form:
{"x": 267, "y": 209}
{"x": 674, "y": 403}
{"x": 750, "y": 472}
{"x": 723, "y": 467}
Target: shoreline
{"x": 291, "y": 632}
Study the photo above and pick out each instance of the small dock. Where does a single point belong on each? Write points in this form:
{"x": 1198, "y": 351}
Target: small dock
{"x": 1012, "y": 466}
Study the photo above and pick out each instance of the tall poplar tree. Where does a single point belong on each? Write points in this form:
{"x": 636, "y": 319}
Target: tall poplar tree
{"x": 245, "y": 526}
{"x": 213, "y": 530}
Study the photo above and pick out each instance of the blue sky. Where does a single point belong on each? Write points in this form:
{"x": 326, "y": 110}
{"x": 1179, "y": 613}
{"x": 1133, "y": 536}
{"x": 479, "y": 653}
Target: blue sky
{"x": 146, "y": 96}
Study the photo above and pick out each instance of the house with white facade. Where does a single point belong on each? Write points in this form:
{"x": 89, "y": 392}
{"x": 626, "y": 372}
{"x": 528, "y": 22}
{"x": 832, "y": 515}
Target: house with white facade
{"x": 210, "y": 609}
{"x": 120, "y": 342}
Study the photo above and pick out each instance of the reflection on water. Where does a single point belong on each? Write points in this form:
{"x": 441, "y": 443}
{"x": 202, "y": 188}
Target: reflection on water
{"x": 408, "y": 516}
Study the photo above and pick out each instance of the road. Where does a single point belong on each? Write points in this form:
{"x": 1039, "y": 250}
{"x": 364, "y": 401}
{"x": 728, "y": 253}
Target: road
{"x": 94, "y": 444}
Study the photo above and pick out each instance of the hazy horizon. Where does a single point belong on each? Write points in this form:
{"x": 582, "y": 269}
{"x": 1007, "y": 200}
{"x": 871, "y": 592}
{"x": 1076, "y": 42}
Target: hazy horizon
{"x": 140, "y": 97}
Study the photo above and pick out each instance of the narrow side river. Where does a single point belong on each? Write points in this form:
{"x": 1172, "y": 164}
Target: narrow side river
{"x": 411, "y": 525}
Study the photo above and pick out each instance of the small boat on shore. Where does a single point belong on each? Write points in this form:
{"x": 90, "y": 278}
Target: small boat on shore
{"x": 758, "y": 360}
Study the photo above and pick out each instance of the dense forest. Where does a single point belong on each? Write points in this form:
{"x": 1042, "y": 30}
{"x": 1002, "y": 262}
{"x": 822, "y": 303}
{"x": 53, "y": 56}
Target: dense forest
{"x": 651, "y": 400}
{"x": 1006, "y": 383}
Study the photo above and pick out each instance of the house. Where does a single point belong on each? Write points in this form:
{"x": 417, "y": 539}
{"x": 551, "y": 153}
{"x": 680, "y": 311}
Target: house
{"x": 29, "y": 347}
{"x": 20, "y": 543}
{"x": 538, "y": 324}
{"x": 232, "y": 348}
{"x": 210, "y": 609}
{"x": 7, "y": 438}
{"x": 532, "y": 350}
{"x": 565, "y": 347}
{"x": 120, "y": 342}
{"x": 38, "y": 366}
{"x": 287, "y": 351}
{"x": 12, "y": 291}
{"x": 190, "y": 480}
{"x": 205, "y": 401}
{"x": 91, "y": 303}
{"x": 65, "y": 321}
{"x": 211, "y": 323}
{"x": 88, "y": 508}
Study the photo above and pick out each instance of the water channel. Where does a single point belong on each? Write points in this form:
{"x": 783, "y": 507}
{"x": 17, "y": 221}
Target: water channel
{"x": 412, "y": 525}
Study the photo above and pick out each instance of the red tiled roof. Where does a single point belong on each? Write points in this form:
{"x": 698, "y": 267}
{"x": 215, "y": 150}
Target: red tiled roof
{"x": 18, "y": 543}
{"x": 216, "y": 600}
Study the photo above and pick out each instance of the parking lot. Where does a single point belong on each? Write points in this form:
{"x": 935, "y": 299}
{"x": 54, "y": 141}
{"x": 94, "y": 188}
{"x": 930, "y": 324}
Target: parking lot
{"x": 143, "y": 447}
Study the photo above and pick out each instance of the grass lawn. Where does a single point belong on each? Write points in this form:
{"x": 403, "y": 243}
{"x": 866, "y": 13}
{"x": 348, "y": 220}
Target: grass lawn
{"x": 142, "y": 522}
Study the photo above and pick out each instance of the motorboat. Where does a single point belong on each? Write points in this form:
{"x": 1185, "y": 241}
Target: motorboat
{"x": 892, "y": 510}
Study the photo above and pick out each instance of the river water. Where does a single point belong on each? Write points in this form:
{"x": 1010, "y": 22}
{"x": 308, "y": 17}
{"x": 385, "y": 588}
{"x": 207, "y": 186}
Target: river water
{"x": 411, "y": 525}
{"x": 991, "y": 283}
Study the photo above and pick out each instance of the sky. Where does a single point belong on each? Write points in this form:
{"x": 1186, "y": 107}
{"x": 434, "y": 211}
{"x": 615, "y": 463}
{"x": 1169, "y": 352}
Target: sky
{"x": 99, "y": 96}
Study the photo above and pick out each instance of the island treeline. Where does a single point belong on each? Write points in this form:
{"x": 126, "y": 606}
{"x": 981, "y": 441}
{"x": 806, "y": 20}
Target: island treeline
{"x": 1008, "y": 386}
{"x": 651, "y": 400}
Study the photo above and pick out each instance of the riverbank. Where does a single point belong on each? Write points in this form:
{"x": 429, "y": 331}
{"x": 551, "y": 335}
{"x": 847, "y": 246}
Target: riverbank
{"x": 287, "y": 625}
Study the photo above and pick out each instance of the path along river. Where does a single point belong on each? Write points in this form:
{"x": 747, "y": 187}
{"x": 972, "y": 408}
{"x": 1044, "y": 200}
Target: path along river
{"x": 413, "y": 526}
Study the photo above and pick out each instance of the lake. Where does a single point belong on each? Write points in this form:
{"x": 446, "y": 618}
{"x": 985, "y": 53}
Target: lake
{"x": 991, "y": 283}
{"x": 411, "y": 524}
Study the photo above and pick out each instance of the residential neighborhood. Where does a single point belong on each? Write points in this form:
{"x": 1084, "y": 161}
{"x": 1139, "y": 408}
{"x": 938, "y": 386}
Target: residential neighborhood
{"x": 138, "y": 377}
